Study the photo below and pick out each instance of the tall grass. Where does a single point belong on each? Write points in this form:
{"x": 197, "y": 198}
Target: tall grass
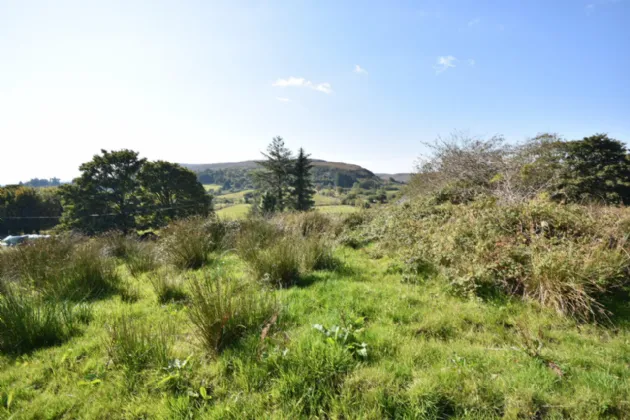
{"x": 224, "y": 309}
{"x": 169, "y": 286}
{"x": 139, "y": 256}
{"x": 134, "y": 345}
{"x": 187, "y": 244}
{"x": 28, "y": 322}
{"x": 65, "y": 268}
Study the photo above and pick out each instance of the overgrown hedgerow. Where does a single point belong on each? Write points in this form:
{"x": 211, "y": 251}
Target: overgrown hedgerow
{"x": 566, "y": 257}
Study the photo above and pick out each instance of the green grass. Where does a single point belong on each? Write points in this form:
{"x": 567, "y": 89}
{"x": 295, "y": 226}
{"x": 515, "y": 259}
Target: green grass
{"x": 325, "y": 200}
{"x": 237, "y": 211}
{"x": 353, "y": 334}
{"x": 429, "y": 354}
{"x": 212, "y": 187}
{"x": 337, "y": 209}
{"x": 236, "y": 196}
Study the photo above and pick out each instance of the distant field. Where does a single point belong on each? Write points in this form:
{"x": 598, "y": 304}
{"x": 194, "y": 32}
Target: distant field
{"x": 337, "y": 209}
{"x": 212, "y": 187}
{"x": 235, "y": 196}
{"x": 238, "y": 211}
{"x": 324, "y": 200}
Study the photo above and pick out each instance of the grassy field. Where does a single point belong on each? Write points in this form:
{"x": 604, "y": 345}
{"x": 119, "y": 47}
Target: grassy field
{"x": 235, "y": 196}
{"x": 212, "y": 187}
{"x": 324, "y": 200}
{"x": 237, "y": 211}
{"x": 405, "y": 351}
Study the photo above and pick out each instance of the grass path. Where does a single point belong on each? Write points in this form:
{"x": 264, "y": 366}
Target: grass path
{"x": 429, "y": 354}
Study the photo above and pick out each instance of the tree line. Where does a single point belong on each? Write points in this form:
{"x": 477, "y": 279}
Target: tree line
{"x": 594, "y": 169}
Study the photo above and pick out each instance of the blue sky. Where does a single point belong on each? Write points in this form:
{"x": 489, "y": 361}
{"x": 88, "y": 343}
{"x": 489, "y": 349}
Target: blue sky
{"x": 210, "y": 81}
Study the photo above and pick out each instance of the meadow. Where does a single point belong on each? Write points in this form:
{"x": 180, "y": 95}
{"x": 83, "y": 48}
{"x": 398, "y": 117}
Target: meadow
{"x": 298, "y": 316}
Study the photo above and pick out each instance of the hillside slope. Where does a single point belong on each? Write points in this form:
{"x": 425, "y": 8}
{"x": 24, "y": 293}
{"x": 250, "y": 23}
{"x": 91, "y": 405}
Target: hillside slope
{"x": 239, "y": 173}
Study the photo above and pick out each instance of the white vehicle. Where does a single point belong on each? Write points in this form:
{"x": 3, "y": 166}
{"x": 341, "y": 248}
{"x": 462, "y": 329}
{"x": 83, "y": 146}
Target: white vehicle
{"x": 16, "y": 240}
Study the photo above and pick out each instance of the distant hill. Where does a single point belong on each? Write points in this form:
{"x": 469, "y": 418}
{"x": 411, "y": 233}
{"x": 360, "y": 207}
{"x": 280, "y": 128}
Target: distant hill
{"x": 402, "y": 177}
{"x": 238, "y": 174}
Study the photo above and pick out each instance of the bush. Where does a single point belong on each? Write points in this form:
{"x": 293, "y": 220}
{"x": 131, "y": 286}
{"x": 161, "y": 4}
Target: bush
{"x": 29, "y": 322}
{"x": 188, "y": 243}
{"x": 223, "y": 310}
{"x": 134, "y": 345}
{"x": 168, "y": 286}
{"x": 567, "y": 257}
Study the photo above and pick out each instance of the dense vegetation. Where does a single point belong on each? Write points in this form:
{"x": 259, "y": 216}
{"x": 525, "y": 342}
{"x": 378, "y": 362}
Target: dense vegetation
{"x": 28, "y": 210}
{"x": 497, "y": 287}
{"x": 240, "y": 176}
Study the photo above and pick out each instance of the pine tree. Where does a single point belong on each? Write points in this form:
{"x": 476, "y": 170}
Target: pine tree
{"x": 303, "y": 190}
{"x": 275, "y": 176}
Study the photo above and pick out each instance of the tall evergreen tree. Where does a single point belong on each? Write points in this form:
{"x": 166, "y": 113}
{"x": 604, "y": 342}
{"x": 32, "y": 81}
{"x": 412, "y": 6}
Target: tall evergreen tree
{"x": 275, "y": 175}
{"x": 303, "y": 189}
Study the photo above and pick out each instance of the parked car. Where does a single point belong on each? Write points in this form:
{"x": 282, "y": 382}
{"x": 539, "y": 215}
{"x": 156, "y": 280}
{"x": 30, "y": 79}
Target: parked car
{"x": 19, "y": 239}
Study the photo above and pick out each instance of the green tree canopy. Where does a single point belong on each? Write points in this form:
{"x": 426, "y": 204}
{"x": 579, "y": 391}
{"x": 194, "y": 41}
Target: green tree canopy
{"x": 596, "y": 168}
{"x": 173, "y": 191}
{"x": 108, "y": 187}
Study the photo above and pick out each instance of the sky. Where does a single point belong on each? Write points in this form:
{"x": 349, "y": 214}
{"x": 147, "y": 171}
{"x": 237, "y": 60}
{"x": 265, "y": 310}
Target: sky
{"x": 363, "y": 82}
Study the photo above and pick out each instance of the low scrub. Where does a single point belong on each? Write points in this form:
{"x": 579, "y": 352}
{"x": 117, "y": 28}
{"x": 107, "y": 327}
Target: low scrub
{"x": 224, "y": 309}
{"x": 187, "y": 244}
{"x": 566, "y": 257}
{"x": 317, "y": 254}
{"x": 278, "y": 263}
{"x": 28, "y": 322}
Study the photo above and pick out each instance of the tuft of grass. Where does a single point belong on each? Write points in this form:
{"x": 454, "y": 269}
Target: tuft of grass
{"x": 88, "y": 275}
{"x": 224, "y": 309}
{"x": 187, "y": 243}
{"x": 169, "y": 286}
{"x": 135, "y": 345}
{"x": 28, "y": 322}
{"x": 317, "y": 254}
{"x": 278, "y": 263}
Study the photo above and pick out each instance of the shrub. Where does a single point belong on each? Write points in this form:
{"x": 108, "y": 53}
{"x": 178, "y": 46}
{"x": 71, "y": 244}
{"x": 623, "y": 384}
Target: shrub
{"x": 567, "y": 257}
{"x": 305, "y": 223}
{"x": 135, "y": 346}
{"x": 188, "y": 243}
{"x": 168, "y": 286}
{"x": 29, "y": 322}
{"x": 225, "y": 309}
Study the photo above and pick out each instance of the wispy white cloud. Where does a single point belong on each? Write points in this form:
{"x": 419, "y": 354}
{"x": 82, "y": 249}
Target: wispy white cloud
{"x": 359, "y": 70}
{"x": 474, "y": 22}
{"x": 302, "y": 82}
{"x": 444, "y": 63}
{"x": 281, "y": 99}
{"x": 471, "y": 62}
